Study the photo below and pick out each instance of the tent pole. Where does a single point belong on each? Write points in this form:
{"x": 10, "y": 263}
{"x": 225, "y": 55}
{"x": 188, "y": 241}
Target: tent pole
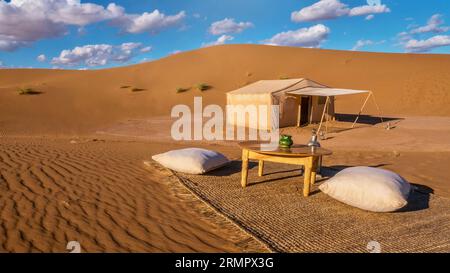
{"x": 327, "y": 117}
{"x": 299, "y": 110}
{"x": 378, "y": 108}
{"x": 362, "y": 108}
{"x": 323, "y": 115}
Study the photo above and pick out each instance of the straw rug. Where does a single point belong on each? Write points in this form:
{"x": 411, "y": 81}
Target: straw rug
{"x": 273, "y": 209}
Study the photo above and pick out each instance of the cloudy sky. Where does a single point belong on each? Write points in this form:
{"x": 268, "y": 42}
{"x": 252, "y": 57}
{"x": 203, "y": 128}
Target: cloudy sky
{"x": 92, "y": 34}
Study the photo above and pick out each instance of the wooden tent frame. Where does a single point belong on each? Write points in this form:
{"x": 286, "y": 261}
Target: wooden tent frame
{"x": 326, "y": 109}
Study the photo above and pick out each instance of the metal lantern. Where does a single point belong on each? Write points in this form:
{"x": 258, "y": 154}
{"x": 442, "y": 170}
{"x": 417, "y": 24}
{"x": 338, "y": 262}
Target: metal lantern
{"x": 314, "y": 143}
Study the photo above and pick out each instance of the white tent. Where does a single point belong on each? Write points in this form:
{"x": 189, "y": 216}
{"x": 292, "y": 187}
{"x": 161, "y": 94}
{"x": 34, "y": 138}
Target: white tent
{"x": 301, "y": 101}
{"x": 268, "y": 93}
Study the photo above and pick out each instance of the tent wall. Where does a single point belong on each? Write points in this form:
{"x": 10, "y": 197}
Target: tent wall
{"x": 288, "y": 108}
{"x": 245, "y": 100}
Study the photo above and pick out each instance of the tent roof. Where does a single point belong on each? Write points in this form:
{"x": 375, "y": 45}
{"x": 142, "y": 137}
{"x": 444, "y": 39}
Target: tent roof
{"x": 326, "y": 92}
{"x": 300, "y": 86}
{"x": 273, "y": 86}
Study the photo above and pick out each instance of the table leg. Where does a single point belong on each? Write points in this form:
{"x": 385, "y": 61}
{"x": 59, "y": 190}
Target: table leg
{"x": 261, "y": 168}
{"x": 307, "y": 179}
{"x": 244, "y": 173}
{"x": 314, "y": 170}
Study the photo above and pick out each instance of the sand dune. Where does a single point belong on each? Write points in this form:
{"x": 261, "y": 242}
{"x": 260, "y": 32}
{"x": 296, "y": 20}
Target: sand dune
{"x": 81, "y": 101}
{"x": 100, "y": 195}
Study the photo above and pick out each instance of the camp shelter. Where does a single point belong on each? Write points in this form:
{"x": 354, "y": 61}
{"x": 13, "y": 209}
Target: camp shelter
{"x": 301, "y": 102}
{"x": 274, "y": 92}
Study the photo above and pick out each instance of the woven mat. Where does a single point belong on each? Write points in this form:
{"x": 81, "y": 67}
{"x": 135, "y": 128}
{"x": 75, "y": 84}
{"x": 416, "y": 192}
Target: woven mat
{"x": 273, "y": 209}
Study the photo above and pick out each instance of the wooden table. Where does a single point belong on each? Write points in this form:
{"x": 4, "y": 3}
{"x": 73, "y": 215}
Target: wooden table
{"x": 297, "y": 155}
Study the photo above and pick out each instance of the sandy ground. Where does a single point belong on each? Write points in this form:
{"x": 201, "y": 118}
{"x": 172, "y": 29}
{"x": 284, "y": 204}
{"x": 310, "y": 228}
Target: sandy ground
{"x": 100, "y": 194}
{"x": 97, "y": 191}
{"x": 71, "y": 155}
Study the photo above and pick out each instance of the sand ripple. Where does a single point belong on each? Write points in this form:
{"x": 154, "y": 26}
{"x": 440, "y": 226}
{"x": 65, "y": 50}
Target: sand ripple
{"x": 99, "y": 194}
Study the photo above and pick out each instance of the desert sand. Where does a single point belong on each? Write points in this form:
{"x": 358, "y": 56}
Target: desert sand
{"x": 71, "y": 155}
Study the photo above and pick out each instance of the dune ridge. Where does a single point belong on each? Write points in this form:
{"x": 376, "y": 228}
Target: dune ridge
{"x": 81, "y": 101}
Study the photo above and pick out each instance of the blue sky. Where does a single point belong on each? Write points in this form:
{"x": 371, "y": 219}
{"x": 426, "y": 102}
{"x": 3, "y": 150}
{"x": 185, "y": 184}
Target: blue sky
{"x": 95, "y": 34}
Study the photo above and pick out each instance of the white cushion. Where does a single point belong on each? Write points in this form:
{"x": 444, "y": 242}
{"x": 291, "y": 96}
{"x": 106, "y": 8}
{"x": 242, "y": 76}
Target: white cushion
{"x": 191, "y": 160}
{"x": 368, "y": 189}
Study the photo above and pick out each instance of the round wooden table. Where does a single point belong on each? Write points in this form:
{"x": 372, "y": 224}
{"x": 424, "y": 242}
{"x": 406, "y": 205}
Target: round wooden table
{"x": 297, "y": 155}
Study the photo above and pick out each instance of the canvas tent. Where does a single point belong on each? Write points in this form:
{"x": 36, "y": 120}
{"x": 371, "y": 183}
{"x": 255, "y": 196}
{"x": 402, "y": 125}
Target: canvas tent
{"x": 302, "y": 101}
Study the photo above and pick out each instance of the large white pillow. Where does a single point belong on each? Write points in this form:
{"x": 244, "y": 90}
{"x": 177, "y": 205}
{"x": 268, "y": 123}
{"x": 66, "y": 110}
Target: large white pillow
{"x": 368, "y": 189}
{"x": 191, "y": 160}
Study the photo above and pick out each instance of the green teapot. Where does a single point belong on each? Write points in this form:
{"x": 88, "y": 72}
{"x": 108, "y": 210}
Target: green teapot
{"x": 286, "y": 141}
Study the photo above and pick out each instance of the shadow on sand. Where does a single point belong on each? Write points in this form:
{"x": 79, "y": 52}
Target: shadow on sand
{"x": 365, "y": 119}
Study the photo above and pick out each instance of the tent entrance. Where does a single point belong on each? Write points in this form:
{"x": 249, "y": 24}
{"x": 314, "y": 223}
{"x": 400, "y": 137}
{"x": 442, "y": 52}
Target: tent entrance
{"x": 304, "y": 111}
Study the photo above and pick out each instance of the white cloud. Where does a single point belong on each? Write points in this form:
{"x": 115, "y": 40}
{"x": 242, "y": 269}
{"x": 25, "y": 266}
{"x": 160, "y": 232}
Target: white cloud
{"x": 146, "y": 49}
{"x": 220, "y": 41}
{"x": 228, "y": 25}
{"x": 41, "y": 58}
{"x": 128, "y": 47}
{"x": 368, "y": 9}
{"x": 428, "y": 44}
{"x": 97, "y": 55}
{"x": 370, "y": 17}
{"x": 410, "y": 43}
{"x": 23, "y": 22}
{"x": 10, "y": 45}
{"x": 175, "y": 52}
{"x": 304, "y": 37}
{"x": 152, "y": 22}
{"x": 434, "y": 25}
{"x": 324, "y": 9}
{"x": 404, "y": 36}
{"x": 331, "y": 9}
{"x": 362, "y": 43}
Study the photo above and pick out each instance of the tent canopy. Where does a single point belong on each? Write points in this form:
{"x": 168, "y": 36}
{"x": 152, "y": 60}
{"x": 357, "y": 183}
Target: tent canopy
{"x": 326, "y": 92}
